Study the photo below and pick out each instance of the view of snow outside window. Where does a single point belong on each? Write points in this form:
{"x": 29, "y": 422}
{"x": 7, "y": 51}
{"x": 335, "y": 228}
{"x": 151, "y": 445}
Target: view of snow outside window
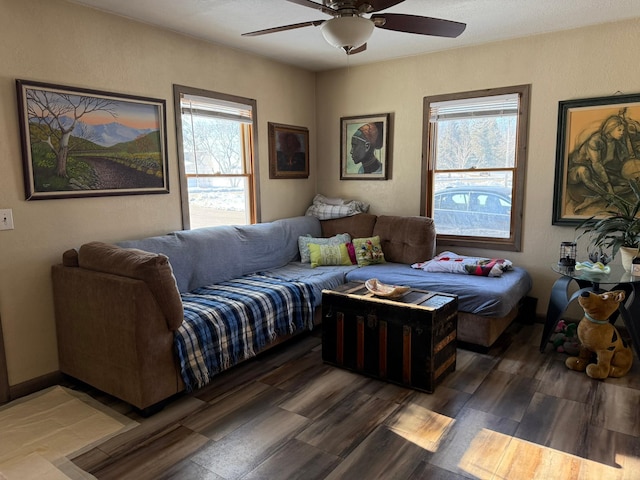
{"x": 214, "y": 164}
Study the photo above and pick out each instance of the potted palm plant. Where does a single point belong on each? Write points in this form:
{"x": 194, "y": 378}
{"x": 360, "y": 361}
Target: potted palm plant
{"x": 619, "y": 229}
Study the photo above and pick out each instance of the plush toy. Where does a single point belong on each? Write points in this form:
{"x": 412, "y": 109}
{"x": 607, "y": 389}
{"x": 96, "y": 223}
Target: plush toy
{"x": 565, "y": 338}
{"x": 597, "y": 335}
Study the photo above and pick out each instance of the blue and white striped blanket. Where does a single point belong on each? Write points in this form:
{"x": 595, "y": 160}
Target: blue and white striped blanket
{"x": 228, "y": 322}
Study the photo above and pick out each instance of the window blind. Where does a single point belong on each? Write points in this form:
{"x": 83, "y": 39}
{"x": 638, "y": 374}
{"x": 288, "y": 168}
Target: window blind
{"x": 498, "y": 105}
{"x": 223, "y": 109}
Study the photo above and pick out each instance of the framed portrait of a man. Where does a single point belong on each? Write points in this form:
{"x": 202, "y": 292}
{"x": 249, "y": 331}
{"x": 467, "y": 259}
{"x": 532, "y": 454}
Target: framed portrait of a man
{"x": 288, "y": 151}
{"x": 364, "y": 147}
{"x": 597, "y": 152}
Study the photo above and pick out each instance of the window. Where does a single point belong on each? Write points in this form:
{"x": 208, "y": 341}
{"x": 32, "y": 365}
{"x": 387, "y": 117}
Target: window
{"x": 215, "y": 134}
{"x": 474, "y": 156}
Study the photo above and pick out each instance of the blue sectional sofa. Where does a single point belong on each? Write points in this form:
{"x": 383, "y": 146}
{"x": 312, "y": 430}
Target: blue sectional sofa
{"x": 144, "y": 319}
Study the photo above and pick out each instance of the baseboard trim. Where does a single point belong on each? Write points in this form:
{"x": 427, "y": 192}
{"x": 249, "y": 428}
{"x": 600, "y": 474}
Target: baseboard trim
{"x": 35, "y": 384}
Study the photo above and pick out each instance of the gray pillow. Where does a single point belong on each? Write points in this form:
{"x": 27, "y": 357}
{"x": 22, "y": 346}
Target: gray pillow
{"x": 304, "y": 241}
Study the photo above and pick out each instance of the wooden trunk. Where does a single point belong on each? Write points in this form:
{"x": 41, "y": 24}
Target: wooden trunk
{"x": 410, "y": 341}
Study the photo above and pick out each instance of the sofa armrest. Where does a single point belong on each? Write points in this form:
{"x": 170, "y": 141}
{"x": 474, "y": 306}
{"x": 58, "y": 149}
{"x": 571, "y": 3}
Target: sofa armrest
{"x": 152, "y": 268}
{"x": 112, "y": 334}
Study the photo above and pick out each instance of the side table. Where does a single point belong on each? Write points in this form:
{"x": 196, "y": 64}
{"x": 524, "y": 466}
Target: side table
{"x": 617, "y": 279}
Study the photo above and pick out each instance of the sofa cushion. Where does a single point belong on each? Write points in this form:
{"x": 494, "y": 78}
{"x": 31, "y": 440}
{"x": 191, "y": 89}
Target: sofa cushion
{"x": 317, "y": 278}
{"x": 305, "y": 241}
{"x": 199, "y": 257}
{"x": 358, "y": 226}
{"x": 274, "y": 244}
{"x": 70, "y": 258}
{"x": 368, "y": 251}
{"x": 486, "y": 296}
{"x": 329, "y": 255}
{"x": 154, "y": 269}
{"x": 206, "y": 256}
{"x": 406, "y": 239}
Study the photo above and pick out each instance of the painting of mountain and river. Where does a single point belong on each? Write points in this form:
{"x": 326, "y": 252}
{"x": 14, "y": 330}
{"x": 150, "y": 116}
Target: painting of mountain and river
{"x": 79, "y": 143}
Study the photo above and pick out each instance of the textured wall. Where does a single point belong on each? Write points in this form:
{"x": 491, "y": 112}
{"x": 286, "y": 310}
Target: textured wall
{"x": 54, "y": 41}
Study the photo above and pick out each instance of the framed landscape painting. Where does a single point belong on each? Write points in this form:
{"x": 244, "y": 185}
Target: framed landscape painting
{"x": 83, "y": 143}
{"x": 288, "y": 151}
{"x": 364, "y": 147}
{"x": 597, "y": 151}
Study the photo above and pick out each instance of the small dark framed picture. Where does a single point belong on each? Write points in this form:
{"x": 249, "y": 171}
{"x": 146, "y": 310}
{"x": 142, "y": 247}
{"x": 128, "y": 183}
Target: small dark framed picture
{"x": 288, "y": 151}
{"x": 597, "y": 151}
{"x": 364, "y": 147}
{"x": 87, "y": 143}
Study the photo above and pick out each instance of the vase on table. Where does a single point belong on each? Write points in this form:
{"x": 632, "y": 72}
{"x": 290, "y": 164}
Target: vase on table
{"x": 627, "y": 254}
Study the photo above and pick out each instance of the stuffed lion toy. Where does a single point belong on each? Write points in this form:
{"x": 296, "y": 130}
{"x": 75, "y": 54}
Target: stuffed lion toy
{"x": 597, "y": 335}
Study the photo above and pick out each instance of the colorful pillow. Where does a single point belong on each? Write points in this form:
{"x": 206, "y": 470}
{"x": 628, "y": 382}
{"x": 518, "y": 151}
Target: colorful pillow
{"x": 329, "y": 255}
{"x": 368, "y": 251}
{"x": 352, "y": 253}
{"x": 304, "y": 242}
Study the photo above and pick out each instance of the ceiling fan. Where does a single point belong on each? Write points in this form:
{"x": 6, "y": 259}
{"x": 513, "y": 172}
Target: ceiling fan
{"x": 349, "y": 29}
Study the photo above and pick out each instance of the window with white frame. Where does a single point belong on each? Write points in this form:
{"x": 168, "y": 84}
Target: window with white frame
{"x": 216, "y": 153}
{"x": 474, "y": 157}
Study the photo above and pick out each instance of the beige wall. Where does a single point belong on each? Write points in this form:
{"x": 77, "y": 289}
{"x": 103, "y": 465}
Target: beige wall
{"x": 57, "y": 42}
{"x": 589, "y": 62}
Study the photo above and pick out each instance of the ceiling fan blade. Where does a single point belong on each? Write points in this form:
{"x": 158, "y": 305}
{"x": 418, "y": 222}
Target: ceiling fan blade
{"x": 377, "y": 5}
{"x": 361, "y": 48}
{"x": 420, "y": 25}
{"x": 317, "y": 6}
{"x": 314, "y": 23}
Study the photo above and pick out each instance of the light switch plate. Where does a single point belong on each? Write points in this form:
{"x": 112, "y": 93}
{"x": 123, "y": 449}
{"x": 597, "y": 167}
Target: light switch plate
{"x": 6, "y": 219}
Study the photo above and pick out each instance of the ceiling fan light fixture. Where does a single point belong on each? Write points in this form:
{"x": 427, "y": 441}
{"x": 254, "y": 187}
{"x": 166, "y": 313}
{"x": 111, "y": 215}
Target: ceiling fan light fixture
{"x": 348, "y": 32}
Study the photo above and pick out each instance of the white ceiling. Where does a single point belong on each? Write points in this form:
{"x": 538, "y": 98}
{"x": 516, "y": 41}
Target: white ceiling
{"x": 223, "y": 22}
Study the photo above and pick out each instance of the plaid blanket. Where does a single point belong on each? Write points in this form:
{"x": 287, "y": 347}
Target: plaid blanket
{"x": 228, "y": 322}
{"x": 325, "y": 208}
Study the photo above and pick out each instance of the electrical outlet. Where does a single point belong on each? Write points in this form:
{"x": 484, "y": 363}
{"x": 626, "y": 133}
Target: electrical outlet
{"x": 6, "y": 219}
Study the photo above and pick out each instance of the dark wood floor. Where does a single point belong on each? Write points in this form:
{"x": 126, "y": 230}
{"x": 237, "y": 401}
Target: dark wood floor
{"x": 512, "y": 413}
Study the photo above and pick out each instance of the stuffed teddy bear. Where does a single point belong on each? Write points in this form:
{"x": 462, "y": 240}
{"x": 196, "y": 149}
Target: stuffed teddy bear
{"x": 597, "y": 335}
{"x": 565, "y": 338}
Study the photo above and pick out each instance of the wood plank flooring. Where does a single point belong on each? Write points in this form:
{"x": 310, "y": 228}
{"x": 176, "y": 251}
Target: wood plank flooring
{"x": 511, "y": 413}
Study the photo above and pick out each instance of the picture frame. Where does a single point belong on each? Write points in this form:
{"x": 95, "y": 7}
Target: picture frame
{"x": 364, "y": 147}
{"x": 87, "y": 143}
{"x": 595, "y": 135}
{"x": 288, "y": 151}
